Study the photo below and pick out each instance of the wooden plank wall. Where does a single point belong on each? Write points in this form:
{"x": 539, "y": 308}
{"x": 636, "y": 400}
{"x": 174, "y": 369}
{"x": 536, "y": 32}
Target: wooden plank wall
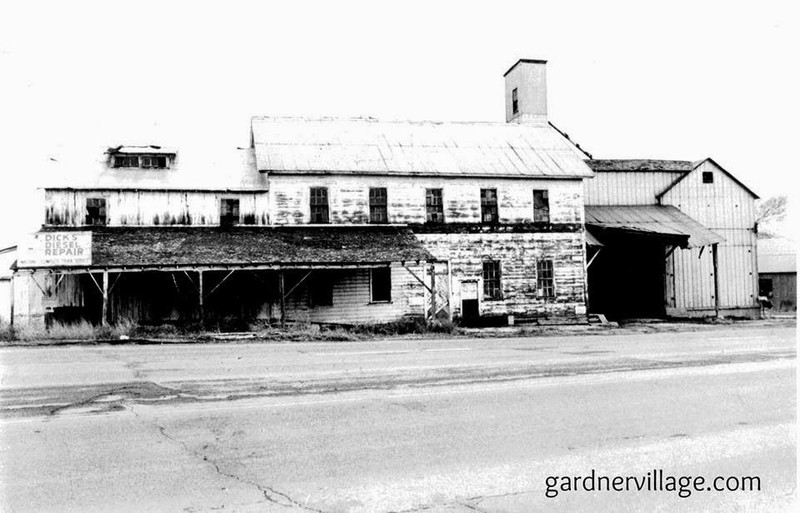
{"x": 517, "y": 253}
{"x": 729, "y": 210}
{"x": 348, "y": 198}
{"x": 627, "y": 188}
{"x": 153, "y": 208}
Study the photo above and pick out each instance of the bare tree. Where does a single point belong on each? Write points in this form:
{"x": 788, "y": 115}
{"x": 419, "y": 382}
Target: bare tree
{"x": 769, "y": 212}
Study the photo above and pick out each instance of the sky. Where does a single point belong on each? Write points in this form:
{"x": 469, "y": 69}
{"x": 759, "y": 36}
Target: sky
{"x": 672, "y": 80}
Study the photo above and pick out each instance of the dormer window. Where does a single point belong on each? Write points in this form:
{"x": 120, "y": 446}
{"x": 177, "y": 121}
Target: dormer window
{"x": 142, "y": 157}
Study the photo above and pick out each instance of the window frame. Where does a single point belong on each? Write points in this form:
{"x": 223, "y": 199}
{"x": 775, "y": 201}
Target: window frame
{"x": 102, "y": 211}
{"x": 492, "y": 280}
{"x": 372, "y": 288}
{"x": 708, "y": 177}
{"x": 514, "y": 101}
{"x": 378, "y": 201}
{"x": 319, "y": 205}
{"x": 432, "y": 208}
{"x": 545, "y": 272}
{"x": 234, "y": 216}
{"x": 489, "y": 206}
{"x": 538, "y": 217}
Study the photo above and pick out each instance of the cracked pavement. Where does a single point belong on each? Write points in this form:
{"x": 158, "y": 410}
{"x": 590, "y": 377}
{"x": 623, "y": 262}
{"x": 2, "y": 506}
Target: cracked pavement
{"x": 435, "y": 425}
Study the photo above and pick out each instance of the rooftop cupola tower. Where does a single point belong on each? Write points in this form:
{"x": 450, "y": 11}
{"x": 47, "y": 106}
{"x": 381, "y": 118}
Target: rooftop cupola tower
{"x": 526, "y": 92}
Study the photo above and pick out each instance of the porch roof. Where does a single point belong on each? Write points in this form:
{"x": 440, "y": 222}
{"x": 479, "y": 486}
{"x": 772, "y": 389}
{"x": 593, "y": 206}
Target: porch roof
{"x": 249, "y": 247}
{"x": 661, "y": 221}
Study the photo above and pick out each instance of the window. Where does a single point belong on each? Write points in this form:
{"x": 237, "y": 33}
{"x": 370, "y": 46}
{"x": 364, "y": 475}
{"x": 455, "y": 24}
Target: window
{"x": 378, "y": 205}
{"x": 144, "y": 161}
{"x": 96, "y": 211}
{"x": 541, "y": 206}
{"x": 126, "y": 161}
{"x": 154, "y": 161}
{"x": 491, "y": 280}
{"x": 228, "y": 212}
{"x": 320, "y": 290}
{"x": 489, "y": 206}
{"x": 514, "y": 101}
{"x": 708, "y": 177}
{"x": 380, "y": 284}
{"x": 319, "y": 205}
{"x": 434, "y": 206}
{"x": 544, "y": 279}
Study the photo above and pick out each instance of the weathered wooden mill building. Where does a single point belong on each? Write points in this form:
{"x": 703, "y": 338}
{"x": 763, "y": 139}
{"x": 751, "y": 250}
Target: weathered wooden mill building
{"x": 322, "y": 220}
{"x": 674, "y": 238}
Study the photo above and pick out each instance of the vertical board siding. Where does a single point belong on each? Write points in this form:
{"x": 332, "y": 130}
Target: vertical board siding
{"x": 153, "y": 208}
{"x": 348, "y": 198}
{"x": 627, "y": 188}
{"x": 729, "y": 210}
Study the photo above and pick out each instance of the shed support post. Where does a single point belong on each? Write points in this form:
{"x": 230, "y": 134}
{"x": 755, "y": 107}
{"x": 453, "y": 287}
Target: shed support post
{"x": 281, "y": 287}
{"x": 715, "y": 261}
{"x": 200, "y": 295}
{"x": 104, "y": 319}
{"x": 433, "y": 292}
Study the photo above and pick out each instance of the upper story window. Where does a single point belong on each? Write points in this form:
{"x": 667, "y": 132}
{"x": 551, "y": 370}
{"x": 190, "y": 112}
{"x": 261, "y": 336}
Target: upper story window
{"x": 142, "y": 161}
{"x": 544, "y": 278}
{"x": 708, "y": 177}
{"x": 434, "y": 206}
{"x": 491, "y": 280}
{"x": 541, "y": 206}
{"x": 319, "y": 205}
{"x": 489, "y": 206}
{"x": 514, "y": 101}
{"x": 228, "y": 212}
{"x": 96, "y": 212}
{"x": 378, "y": 205}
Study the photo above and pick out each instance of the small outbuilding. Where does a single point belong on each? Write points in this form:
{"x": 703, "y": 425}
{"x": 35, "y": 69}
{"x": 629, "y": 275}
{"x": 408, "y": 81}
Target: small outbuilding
{"x": 777, "y": 274}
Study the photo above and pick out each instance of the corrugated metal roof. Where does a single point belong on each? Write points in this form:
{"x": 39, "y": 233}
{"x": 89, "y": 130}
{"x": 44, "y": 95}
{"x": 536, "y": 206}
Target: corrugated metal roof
{"x": 136, "y": 150}
{"x": 369, "y": 146}
{"x": 640, "y": 165}
{"x": 777, "y": 255}
{"x": 655, "y": 219}
{"x": 196, "y": 168}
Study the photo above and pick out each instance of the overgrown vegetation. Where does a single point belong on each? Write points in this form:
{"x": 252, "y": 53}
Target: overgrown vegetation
{"x": 261, "y": 330}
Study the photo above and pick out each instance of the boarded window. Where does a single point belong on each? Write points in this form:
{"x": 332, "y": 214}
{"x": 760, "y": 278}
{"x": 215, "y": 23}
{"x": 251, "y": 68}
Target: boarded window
{"x": 491, "y": 280}
{"x": 96, "y": 212}
{"x": 228, "y": 212}
{"x": 489, "y": 206}
{"x": 544, "y": 279}
{"x": 126, "y": 161}
{"x": 154, "y": 161}
{"x": 319, "y": 205}
{"x": 514, "y": 101}
{"x": 378, "y": 213}
{"x": 380, "y": 284}
{"x": 541, "y": 206}
{"x": 708, "y": 177}
{"x": 320, "y": 289}
{"x": 434, "y": 206}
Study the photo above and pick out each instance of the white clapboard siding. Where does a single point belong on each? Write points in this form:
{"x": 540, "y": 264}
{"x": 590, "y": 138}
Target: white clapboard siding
{"x": 627, "y": 187}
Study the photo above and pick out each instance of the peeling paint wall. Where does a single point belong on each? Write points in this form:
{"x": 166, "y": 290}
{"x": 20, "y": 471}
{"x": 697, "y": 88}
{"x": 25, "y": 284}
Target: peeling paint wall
{"x": 517, "y": 254}
{"x": 348, "y": 198}
{"x": 153, "y": 208}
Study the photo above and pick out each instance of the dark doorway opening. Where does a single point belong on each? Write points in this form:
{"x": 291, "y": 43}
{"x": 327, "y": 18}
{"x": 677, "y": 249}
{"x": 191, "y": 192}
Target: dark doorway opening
{"x": 627, "y": 281}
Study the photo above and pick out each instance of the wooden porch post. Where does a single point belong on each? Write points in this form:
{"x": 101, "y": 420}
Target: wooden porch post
{"x": 433, "y": 292}
{"x": 200, "y": 295}
{"x": 715, "y": 261}
{"x": 281, "y": 287}
{"x": 104, "y": 319}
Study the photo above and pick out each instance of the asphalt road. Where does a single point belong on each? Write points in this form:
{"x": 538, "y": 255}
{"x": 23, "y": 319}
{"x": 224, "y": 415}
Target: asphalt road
{"x": 451, "y": 425}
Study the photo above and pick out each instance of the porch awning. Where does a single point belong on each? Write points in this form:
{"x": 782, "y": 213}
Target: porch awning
{"x": 663, "y": 222}
{"x": 251, "y": 247}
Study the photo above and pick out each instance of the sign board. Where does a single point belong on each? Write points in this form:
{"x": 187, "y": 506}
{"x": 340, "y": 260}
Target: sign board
{"x": 56, "y": 249}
